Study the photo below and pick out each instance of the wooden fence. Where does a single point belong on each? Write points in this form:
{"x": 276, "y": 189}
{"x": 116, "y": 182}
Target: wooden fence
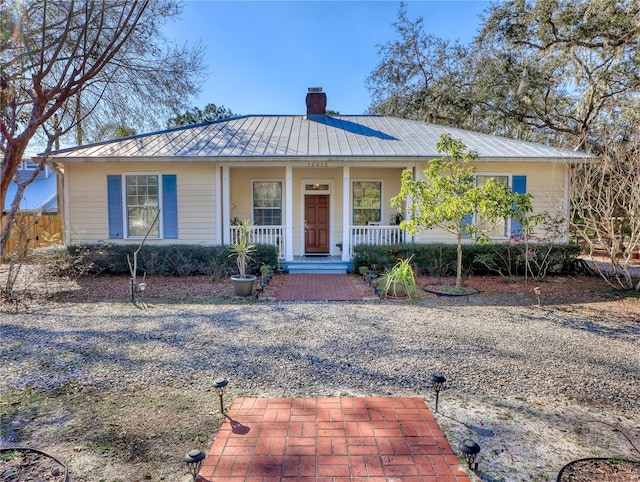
{"x": 40, "y": 230}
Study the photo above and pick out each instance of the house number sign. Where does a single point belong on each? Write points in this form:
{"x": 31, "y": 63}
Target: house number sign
{"x": 317, "y": 164}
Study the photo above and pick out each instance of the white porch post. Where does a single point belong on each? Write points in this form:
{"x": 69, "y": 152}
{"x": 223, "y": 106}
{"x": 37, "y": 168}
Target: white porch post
{"x": 346, "y": 213}
{"x": 288, "y": 200}
{"x": 416, "y": 176}
{"x": 66, "y": 230}
{"x": 566, "y": 206}
{"x": 218, "y": 184}
{"x": 226, "y": 206}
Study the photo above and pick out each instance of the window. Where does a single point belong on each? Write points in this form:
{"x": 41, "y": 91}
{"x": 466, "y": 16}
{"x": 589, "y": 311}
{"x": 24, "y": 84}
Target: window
{"x": 143, "y": 202}
{"x": 317, "y": 187}
{"x": 497, "y": 228}
{"x": 367, "y": 201}
{"x": 132, "y": 208}
{"x": 267, "y": 203}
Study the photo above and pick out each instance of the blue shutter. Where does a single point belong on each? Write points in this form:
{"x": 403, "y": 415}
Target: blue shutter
{"x": 519, "y": 187}
{"x": 170, "y": 206}
{"x": 114, "y": 204}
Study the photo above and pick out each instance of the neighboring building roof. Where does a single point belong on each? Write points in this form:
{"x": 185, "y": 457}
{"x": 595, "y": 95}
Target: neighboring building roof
{"x": 39, "y": 196}
{"x": 255, "y": 137}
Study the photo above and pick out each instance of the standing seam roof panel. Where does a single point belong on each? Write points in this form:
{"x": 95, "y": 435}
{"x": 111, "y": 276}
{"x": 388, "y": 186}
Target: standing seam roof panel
{"x": 284, "y": 136}
{"x": 203, "y": 139}
{"x": 246, "y": 130}
{"x": 275, "y": 134}
{"x": 225, "y": 135}
{"x": 292, "y": 144}
{"x": 267, "y": 128}
{"x": 253, "y": 135}
{"x": 177, "y": 142}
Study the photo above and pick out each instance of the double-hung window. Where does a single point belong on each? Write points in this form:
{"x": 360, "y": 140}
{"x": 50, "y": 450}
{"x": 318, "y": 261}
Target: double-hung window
{"x": 496, "y": 228}
{"x": 143, "y": 202}
{"x": 267, "y": 203}
{"x": 367, "y": 202}
{"x": 134, "y": 201}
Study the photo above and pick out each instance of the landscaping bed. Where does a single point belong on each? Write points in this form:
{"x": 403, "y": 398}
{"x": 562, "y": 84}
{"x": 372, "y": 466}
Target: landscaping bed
{"x": 600, "y": 470}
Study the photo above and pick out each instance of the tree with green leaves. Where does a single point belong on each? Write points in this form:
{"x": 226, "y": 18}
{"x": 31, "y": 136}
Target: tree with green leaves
{"x": 450, "y": 198}
{"x": 65, "y": 66}
{"x": 551, "y": 71}
{"x": 420, "y": 76}
{"x": 567, "y": 71}
{"x": 210, "y": 113}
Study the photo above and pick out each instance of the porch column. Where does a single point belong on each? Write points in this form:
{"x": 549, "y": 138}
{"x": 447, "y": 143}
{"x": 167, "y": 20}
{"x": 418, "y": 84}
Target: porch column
{"x": 226, "y": 206}
{"x": 416, "y": 176}
{"x": 346, "y": 213}
{"x": 288, "y": 213}
{"x": 219, "y": 217}
{"x": 66, "y": 226}
{"x": 566, "y": 206}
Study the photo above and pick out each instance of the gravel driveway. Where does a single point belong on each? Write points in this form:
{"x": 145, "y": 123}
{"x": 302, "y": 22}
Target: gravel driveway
{"x": 525, "y": 382}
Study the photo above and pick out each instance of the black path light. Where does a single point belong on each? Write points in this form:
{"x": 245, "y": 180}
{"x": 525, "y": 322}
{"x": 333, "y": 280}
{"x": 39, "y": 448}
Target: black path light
{"x": 194, "y": 459}
{"x": 437, "y": 380}
{"x": 470, "y": 449}
{"x": 219, "y": 384}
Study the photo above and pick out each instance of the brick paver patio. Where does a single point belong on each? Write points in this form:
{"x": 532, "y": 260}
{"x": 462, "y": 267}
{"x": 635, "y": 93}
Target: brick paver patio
{"x": 331, "y": 439}
{"x": 319, "y": 287}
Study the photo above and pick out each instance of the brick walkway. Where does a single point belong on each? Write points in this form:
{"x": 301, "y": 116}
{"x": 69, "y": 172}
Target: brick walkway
{"x": 318, "y": 287}
{"x": 331, "y": 439}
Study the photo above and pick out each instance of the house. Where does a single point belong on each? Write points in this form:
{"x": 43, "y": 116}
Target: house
{"x": 313, "y": 185}
{"x": 40, "y": 196}
{"x": 37, "y": 220}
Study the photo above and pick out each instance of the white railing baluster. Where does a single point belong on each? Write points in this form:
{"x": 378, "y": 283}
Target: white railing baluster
{"x": 376, "y": 235}
{"x": 273, "y": 235}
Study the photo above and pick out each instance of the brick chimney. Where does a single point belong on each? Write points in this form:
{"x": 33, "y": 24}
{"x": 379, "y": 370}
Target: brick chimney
{"x": 316, "y": 101}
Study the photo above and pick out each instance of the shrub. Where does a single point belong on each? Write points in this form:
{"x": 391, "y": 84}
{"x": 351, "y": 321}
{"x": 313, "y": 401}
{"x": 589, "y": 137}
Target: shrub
{"x": 168, "y": 260}
{"x": 71, "y": 261}
{"x": 437, "y": 259}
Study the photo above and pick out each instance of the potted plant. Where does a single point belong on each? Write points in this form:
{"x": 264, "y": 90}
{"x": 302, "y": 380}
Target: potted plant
{"x": 400, "y": 281}
{"x": 242, "y": 248}
{"x": 396, "y": 219}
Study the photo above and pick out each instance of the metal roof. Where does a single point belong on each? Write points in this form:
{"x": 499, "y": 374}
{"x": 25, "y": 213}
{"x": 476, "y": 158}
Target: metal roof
{"x": 258, "y": 136}
{"x": 39, "y": 195}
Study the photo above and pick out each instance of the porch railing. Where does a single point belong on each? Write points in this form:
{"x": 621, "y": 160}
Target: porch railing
{"x": 377, "y": 235}
{"x": 273, "y": 235}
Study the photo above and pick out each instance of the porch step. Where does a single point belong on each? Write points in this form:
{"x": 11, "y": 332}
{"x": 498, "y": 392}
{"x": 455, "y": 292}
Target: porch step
{"x": 316, "y": 268}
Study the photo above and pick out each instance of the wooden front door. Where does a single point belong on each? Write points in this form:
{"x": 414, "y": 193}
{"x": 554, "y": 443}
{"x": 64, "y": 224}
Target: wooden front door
{"x": 316, "y": 224}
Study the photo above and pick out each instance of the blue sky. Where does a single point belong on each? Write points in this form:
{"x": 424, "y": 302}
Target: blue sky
{"x": 262, "y": 55}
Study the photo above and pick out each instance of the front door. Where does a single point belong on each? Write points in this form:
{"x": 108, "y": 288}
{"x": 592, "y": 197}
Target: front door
{"x": 316, "y": 224}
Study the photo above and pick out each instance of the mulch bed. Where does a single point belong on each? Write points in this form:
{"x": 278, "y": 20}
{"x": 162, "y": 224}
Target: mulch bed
{"x": 491, "y": 290}
{"x": 600, "y": 470}
{"x": 27, "y": 465}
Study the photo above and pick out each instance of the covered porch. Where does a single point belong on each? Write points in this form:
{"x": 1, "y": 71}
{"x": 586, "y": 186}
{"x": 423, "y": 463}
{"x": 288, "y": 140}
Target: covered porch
{"x": 318, "y": 211}
{"x": 277, "y": 236}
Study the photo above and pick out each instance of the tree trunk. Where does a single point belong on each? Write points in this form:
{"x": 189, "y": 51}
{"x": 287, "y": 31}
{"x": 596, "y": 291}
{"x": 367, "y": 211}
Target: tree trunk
{"x": 459, "y": 266}
{"x": 12, "y": 159}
